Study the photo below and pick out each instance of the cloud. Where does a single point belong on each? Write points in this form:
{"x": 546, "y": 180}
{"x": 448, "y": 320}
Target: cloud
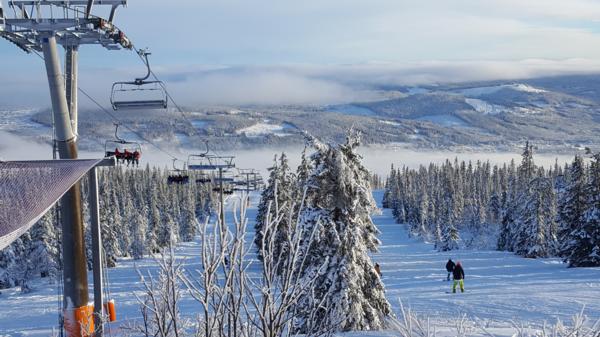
{"x": 18, "y": 148}
{"x": 267, "y": 51}
{"x": 205, "y": 85}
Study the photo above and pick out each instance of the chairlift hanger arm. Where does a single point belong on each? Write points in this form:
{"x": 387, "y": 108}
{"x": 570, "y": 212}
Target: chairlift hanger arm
{"x": 144, "y": 54}
{"x": 201, "y": 155}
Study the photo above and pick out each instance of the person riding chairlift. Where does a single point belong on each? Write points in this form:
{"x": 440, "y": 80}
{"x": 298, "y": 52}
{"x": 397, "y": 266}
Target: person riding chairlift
{"x": 127, "y": 156}
{"x": 118, "y": 154}
{"x": 136, "y": 158}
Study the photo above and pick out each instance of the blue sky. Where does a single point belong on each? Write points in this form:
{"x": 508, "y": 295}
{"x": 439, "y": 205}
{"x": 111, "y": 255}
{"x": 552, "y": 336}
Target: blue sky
{"x": 252, "y": 46}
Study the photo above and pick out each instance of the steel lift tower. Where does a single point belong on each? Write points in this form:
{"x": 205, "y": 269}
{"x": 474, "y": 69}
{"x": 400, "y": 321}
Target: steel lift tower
{"x": 39, "y": 26}
{"x": 214, "y": 163}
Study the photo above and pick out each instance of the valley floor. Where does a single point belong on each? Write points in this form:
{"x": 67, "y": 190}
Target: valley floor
{"x": 500, "y": 287}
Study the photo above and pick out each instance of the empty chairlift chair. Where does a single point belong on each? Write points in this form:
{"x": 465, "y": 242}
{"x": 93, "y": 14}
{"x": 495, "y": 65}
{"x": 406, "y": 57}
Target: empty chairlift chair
{"x": 139, "y": 94}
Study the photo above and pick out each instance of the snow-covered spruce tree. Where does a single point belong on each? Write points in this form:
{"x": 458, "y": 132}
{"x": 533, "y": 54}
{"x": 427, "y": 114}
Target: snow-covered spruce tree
{"x": 303, "y": 171}
{"x": 572, "y": 205}
{"x": 585, "y": 239}
{"x": 508, "y": 212}
{"x": 451, "y": 211}
{"x": 527, "y": 169}
{"x": 110, "y": 220}
{"x": 449, "y": 238}
{"x": 44, "y": 249}
{"x": 277, "y": 198}
{"x": 187, "y": 223}
{"x": 536, "y": 236}
{"x": 139, "y": 226}
{"x": 348, "y": 290}
{"x": 153, "y": 225}
{"x": 388, "y": 194}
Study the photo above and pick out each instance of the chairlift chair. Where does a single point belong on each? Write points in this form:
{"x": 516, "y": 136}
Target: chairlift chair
{"x": 177, "y": 176}
{"x": 203, "y": 178}
{"x": 227, "y": 189}
{"x": 141, "y": 93}
{"x": 123, "y": 150}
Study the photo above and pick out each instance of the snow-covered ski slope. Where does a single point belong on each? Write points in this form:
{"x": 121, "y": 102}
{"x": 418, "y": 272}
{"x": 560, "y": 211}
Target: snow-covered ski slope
{"x": 500, "y": 287}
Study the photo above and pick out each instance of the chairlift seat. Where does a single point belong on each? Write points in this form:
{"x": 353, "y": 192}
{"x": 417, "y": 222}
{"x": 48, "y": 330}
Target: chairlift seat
{"x": 141, "y": 104}
{"x": 178, "y": 179}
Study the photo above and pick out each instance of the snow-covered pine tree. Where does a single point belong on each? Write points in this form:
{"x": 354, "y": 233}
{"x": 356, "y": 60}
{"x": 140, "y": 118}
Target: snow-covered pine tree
{"x": 573, "y": 205}
{"x": 585, "y": 239}
{"x": 154, "y": 221}
{"x": 348, "y": 289}
{"x": 506, "y": 238}
{"x": 388, "y": 194}
{"x": 44, "y": 248}
{"x": 188, "y": 215}
{"x": 268, "y": 200}
{"x": 125, "y": 231}
{"x": 527, "y": 169}
{"x": 276, "y": 200}
{"x": 536, "y": 237}
{"x": 110, "y": 220}
{"x": 139, "y": 227}
{"x": 451, "y": 206}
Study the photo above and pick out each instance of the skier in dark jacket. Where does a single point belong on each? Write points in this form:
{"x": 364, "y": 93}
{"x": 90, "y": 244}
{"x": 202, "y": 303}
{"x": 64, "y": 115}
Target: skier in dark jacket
{"x": 459, "y": 276}
{"x": 449, "y": 268}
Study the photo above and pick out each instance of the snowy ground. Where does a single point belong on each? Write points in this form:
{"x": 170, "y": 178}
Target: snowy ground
{"x": 500, "y": 287}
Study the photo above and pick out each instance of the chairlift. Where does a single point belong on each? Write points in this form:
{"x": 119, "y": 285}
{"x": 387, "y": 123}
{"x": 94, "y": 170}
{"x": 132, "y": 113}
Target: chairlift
{"x": 123, "y": 150}
{"x": 203, "y": 178}
{"x": 177, "y": 176}
{"x": 201, "y": 163}
{"x": 227, "y": 189}
{"x": 141, "y": 93}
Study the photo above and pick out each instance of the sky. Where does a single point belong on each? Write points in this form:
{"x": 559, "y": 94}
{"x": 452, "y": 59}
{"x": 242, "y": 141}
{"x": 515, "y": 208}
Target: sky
{"x": 324, "y": 51}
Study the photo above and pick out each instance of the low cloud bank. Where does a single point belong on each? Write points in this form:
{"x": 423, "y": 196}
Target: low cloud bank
{"x": 303, "y": 83}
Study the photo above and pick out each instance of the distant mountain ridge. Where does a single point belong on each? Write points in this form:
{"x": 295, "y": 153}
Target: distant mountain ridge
{"x": 558, "y": 114}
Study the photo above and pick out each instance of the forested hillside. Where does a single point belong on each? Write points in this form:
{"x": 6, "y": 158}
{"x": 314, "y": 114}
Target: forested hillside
{"x": 530, "y": 210}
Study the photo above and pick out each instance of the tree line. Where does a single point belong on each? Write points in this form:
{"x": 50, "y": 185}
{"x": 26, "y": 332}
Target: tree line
{"x": 140, "y": 214}
{"x": 526, "y": 209}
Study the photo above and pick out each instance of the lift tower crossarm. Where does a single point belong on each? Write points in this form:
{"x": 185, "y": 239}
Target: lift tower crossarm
{"x": 27, "y": 26}
{"x": 67, "y": 2}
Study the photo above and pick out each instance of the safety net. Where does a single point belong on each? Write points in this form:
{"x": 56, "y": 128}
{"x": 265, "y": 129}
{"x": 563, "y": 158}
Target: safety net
{"x": 28, "y": 189}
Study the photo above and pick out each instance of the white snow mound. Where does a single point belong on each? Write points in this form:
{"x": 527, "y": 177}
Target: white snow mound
{"x": 263, "y": 129}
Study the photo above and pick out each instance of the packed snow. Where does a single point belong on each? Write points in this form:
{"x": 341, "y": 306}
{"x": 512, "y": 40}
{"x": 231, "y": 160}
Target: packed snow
{"x": 265, "y": 128}
{"x": 485, "y": 107}
{"x": 389, "y": 122}
{"x": 443, "y": 120}
{"x": 500, "y": 287}
{"x": 481, "y": 91}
